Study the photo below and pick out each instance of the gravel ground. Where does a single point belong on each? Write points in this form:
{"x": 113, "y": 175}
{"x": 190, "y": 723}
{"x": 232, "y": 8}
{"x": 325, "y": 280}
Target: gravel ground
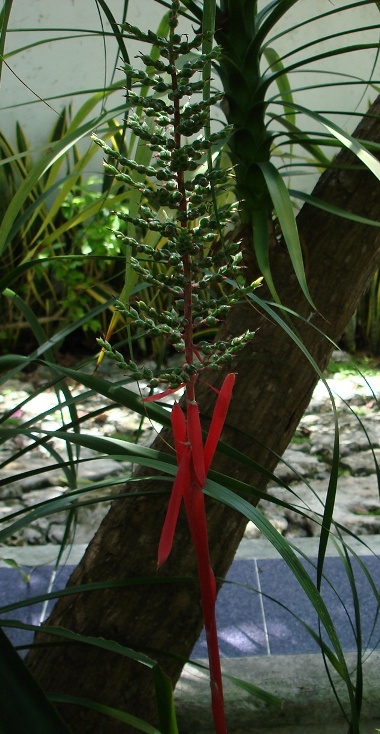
{"x": 305, "y": 468}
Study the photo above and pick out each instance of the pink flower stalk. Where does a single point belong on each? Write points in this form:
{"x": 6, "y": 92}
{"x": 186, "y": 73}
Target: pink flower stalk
{"x": 194, "y": 460}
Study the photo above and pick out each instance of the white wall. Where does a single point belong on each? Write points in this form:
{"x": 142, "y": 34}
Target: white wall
{"x": 52, "y": 71}
{"x": 59, "y": 67}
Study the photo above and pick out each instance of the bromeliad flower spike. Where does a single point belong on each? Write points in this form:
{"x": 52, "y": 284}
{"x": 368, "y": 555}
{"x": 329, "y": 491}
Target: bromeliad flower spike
{"x": 201, "y": 274}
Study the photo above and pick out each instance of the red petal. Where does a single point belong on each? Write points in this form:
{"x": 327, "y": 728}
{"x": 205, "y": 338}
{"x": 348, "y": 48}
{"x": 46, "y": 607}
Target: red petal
{"x": 178, "y": 421}
{"x": 195, "y": 509}
{"x": 218, "y": 419}
{"x": 194, "y": 433}
{"x": 160, "y": 395}
{"x": 182, "y": 479}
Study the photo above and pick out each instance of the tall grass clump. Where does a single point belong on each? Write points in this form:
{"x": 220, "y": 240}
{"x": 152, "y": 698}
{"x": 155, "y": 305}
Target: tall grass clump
{"x": 182, "y": 183}
{"x": 202, "y": 287}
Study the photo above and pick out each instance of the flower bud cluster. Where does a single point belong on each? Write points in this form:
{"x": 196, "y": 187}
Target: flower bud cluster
{"x": 193, "y": 265}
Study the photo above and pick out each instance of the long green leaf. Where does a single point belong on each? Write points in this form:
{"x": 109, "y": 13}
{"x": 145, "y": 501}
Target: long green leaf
{"x": 329, "y": 53}
{"x": 284, "y": 87}
{"x": 163, "y": 687}
{"x": 260, "y": 235}
{"x": 222, "y": 494}
{"x": 302, "y": 138}
{"x": 94, "y": 586}
{"x": 269, "y": 16}
{"x": 268, "y": 698}
{"x": 42, "y": 340}
{"x": 284, "y": 210}
{"x": 4, "y": 20}
{"x": 109, "y": 711}
{"x": 117, "y": 393}
{"x": 115, "y": 29}
{"x": 115, "y": 448}
{"x": 344, "y": 138}
{"x": 23, "y": 705}
{"x": 327, "y": 207}
{"x": 56, "y": 152}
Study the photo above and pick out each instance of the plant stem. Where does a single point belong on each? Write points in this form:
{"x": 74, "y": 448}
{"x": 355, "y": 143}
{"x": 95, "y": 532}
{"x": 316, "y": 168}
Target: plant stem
{"x": 193, "y": 484}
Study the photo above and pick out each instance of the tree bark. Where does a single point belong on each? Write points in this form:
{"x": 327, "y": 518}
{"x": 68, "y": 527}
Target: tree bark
{"x": 273, "y": 387}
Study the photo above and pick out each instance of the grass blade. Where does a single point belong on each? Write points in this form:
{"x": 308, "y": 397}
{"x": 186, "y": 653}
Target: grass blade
{"x": 344, "y": 138}
{"x": 284, "y": 210}
{"x": 163, "y": 687}
{"x": 21, "y": 699}
{"x": 113, "y": 713}
{"x": 327, "y": 207}
{"x": 4, "y": 19}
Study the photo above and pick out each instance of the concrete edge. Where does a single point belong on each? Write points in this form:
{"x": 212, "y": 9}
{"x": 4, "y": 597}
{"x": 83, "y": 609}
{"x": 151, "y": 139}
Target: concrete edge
{"x": 362, "y": 545}
{"x": 41, "y": 555}
{"x": 300, "y": 681}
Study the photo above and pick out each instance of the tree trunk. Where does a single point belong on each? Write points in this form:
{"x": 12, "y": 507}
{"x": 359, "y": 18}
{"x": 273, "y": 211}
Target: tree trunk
{"x": 273, "y": 387}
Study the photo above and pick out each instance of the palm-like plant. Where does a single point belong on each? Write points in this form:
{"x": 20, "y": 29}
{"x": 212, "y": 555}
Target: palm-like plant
{"x": 255, "y": 82}
{"x": 260, "y": 103}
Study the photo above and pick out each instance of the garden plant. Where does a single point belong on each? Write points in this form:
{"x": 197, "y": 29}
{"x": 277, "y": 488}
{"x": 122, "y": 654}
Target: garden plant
{"x": 208, "y": 224}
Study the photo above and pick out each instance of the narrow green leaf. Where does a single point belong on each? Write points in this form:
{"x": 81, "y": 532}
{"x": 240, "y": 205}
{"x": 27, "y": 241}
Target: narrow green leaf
{"x": 100, "y": 642}
{"x": 113, "y": 713}
{"x": 4, "y": 20}
{"x": 165, "y": 705}
{"x": 303, "y": 139}
{"x": 330, "y": 53}
{"x": 94, "y": 586}
{"x": 275, "y": 63}
{"x": 22, "y": 701}
{"x": 347, "y": 140}
{"x": 329, "y": 504}
{"x": 269, "y": 16}
{"x": 268, "y": 698}
{"x": 327, "y": 207}
{"x": 56, "y": 152}
{"x": 294, "y": 564}
{"x": 208, "y": 27}
{"x": 284, "y": 210}
{"x": 115, "y": 30}
{"x": 163, "y": 688}
{"x": 260, "y": 235}
{"x": 42, "y": 340}
{"x": 117, "y": 393}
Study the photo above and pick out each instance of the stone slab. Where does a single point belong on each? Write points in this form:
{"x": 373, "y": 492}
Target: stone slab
{"x": 308, "y": 703}
{"x": 255, "y": 633}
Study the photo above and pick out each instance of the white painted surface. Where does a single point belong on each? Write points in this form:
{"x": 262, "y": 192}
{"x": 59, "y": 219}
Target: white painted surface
{"x": 73, "y": 58}
{"x": 54, "y": 69}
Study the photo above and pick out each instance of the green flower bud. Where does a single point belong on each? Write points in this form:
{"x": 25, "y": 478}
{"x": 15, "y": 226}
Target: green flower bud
{"x": 169, "y": 230}
{"x": 154, "y": 332}
{"x": 163, "y": 120}
{"x": 180, "y": 346}
{"x": 174, "y": 260}
{"x": 173, "y": 22}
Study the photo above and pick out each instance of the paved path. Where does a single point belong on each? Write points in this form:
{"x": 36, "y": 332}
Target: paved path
{"x": 262, "y": 610}
{"x": 305, "y": 468}
{"x": 262, "y": 613}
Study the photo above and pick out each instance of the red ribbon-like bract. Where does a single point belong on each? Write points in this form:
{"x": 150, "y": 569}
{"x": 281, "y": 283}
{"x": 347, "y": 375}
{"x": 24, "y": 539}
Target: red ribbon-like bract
{"x": 194, "y": 460}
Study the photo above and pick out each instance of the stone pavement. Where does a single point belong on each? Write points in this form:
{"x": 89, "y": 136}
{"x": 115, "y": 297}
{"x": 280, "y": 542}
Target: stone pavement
{"x": 261, "y": 641}
{"x": 261, "y": 615}
{"x": 305, "y": 467}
